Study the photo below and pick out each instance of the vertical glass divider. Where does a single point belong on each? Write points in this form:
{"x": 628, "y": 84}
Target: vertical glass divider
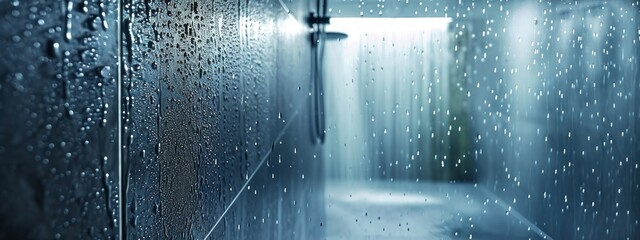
{"x": 121, "y": 176}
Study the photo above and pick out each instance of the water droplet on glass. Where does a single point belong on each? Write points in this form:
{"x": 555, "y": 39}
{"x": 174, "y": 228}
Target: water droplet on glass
{"x": 68, "y": 19}
{"x": 105, "y": 72}
{"x": 53, "y": 49}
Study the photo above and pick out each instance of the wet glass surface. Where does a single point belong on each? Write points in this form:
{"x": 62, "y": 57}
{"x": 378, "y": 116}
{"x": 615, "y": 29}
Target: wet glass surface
{"x": 58, "y": 135}
{"x": 411, "y": 119}
{"x": 549, "y": 96}
{"x": 212, "y": 87}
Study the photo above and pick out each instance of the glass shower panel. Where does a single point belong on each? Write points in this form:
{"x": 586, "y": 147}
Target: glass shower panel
{"x": 197, "y": 111}
{"x": 532, "y": 102}
{"x": 203, "y": 120}
{"x": 58, "y": 120}
{"x": 209, "y": 88}
{"x": 557, "y": 115}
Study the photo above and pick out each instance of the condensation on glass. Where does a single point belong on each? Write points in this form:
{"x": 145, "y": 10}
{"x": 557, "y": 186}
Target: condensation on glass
{"x": 156, "y": 119}
{"x": 535, "y": 103}
{"x": 195, "y": 120}
{"x": 58, "y": 115}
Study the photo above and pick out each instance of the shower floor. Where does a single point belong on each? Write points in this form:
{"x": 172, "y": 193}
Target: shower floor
{"x": 410, "y": 210}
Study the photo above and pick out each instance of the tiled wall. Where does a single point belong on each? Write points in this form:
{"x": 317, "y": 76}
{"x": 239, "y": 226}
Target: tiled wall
{"x": 214, "y": 120}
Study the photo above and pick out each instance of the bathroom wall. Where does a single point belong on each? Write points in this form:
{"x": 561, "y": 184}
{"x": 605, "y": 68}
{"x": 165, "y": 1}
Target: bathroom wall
{"x": 58, "y": 135}
{"x": 209, "y": 90}
{"x": 197, "y": 119}
{"x": 555, "y": 88}
{"x": 214, "y": 131}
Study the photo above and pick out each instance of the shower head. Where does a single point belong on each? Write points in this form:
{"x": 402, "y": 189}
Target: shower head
{"x": 335, "y": 36}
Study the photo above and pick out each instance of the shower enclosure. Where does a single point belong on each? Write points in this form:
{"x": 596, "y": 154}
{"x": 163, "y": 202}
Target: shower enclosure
{"x": 483, "y": 120}
{"x": 319, "y": 119}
